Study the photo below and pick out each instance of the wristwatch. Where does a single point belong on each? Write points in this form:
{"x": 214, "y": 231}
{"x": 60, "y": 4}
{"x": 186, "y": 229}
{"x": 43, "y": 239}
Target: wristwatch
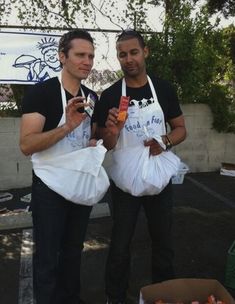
{"x": 168, "y": 143}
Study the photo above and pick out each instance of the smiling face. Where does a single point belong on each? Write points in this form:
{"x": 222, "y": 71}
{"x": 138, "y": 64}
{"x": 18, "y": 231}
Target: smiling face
{"x": 51, "y": 57}
{"x": 131, "y": 57}
{"x": 79, "y": 60}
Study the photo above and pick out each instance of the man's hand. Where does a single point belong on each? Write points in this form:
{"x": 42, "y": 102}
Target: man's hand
{"x": 73, "y": 117}
{"x": 92, "y": 143}
{"x": 154, "y": 147}
{"x": 110, "y": 133}
{"x": 32, "y": 137}
{"x": 112, "y": 124}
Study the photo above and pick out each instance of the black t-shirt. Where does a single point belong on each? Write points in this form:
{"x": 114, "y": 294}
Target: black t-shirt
{"x": 166, "y": 95}
{"x": 45, "y": 98}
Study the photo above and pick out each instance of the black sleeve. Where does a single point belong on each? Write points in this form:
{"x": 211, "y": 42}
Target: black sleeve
{"x": 33, "y": 100}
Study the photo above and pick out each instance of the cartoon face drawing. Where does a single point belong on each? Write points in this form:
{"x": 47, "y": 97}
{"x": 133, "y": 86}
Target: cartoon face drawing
{"x": 51, "y": 58}
{"x": 43, "y": 68}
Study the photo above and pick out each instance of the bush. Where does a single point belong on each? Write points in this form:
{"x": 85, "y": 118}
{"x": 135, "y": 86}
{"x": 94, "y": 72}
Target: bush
{"x": 12, "y": 96}
{"x": 195, "y": 56}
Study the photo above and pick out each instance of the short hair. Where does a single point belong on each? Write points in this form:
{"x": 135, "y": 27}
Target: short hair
{"x": 65, "y": 40}
{"x": 130, "y": 34}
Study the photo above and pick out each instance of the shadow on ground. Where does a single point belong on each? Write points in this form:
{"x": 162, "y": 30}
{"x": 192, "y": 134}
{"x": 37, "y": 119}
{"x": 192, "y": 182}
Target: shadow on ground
{"x": 203, "y": 231}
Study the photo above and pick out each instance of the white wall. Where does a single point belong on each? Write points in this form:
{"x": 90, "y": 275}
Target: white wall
{"x": 203, "y": 150}
{"x": 15, "y": 168}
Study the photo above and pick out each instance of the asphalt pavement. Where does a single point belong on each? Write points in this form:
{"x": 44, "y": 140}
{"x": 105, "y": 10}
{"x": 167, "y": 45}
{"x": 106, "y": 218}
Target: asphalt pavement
{"x": 203, "y": 231}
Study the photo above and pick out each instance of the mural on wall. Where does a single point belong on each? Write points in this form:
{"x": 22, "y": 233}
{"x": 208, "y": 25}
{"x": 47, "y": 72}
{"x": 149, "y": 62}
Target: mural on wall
{"x": 28, "y": 57}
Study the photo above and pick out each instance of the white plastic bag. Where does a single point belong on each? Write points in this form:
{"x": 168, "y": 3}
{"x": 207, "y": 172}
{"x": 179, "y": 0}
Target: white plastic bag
{"x": 78, "y": 176}
{"x": 135, "y": 172}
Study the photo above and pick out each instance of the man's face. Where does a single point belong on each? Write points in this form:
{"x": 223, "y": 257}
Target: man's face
{"x": 79, "y": 60}
{"x": 131, "y": 57}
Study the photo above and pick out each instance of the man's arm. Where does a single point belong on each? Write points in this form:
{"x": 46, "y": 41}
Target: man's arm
{"x": 32, "y": 137}
{"x": 175, "y": 136}
{"x": 178, "y": 130}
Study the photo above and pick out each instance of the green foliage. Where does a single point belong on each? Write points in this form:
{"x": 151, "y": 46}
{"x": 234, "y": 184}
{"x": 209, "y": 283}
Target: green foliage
{"x": 9, "y": 110}
{"x": 196, "y": 56}
{"x": 98, "y": 80}
{"x": 220, "y": 103}
{"x": 18, "y": 92}
{"x": 101, "y": 78}
{"x": 59, "y": 13}
{"x": 7, "y": 104}
{"x": 35, "y": 12}
{"x": 12, "y": 95}
{"x": 227, "y": 7}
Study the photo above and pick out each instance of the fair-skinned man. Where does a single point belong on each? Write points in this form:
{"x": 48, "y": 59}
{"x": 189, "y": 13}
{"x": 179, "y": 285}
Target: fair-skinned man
{"x": 153, "y": 102}
{"x": 76, "y": 67}
{"x": 53, "y": 124}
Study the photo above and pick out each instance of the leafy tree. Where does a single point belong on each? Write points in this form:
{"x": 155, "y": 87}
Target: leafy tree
{"x": 10, "y": 99}
{"x": 101, "y": 79}
{"x": 191, "y": 52}
{"x": 196, "y": 57}
{"x": 73, "y": 13}
{"x": 226, "y": 7}
{"x": 79, "y": 13}
{"x": 6, "y": 94}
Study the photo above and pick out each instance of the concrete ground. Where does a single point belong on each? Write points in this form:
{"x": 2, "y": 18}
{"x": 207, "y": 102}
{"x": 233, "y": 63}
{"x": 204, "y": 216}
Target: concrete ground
{"x": 203, "y": 231}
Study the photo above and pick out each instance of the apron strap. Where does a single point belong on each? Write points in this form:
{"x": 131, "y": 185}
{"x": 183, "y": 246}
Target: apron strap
{"x": 153, "y": 91}
{"x": 63, "y": 95}
{"x": 151, "y": 88}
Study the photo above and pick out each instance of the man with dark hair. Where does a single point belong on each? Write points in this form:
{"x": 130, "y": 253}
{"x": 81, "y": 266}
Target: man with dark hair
{"x": 66, "y": 39}
{"x": 153, "y": 102}
{"x": 53, "y": 124}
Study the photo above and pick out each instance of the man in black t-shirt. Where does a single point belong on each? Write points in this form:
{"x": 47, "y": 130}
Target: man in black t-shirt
{"x": 54, "y": 124}
{"x": 153, "y": 102}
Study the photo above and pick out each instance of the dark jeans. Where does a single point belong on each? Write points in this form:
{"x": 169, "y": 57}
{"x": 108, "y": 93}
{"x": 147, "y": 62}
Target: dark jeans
{"x": 59, "y": 228}
{"x": 125, "y": 210}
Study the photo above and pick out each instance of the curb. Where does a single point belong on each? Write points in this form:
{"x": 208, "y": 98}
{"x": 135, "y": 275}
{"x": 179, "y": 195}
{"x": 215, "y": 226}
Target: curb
{"x": 15, "y": 220}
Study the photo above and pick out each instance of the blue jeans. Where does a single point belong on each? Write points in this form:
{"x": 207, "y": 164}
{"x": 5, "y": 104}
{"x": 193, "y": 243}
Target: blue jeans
{"x": 59, "y": 229}
{"x": 125, "y": 210}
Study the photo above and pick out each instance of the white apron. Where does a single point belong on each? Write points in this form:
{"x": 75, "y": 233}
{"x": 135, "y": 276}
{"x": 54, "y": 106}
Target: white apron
{"x": 72, "y": 169}
{"x": 132, "y": 169}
